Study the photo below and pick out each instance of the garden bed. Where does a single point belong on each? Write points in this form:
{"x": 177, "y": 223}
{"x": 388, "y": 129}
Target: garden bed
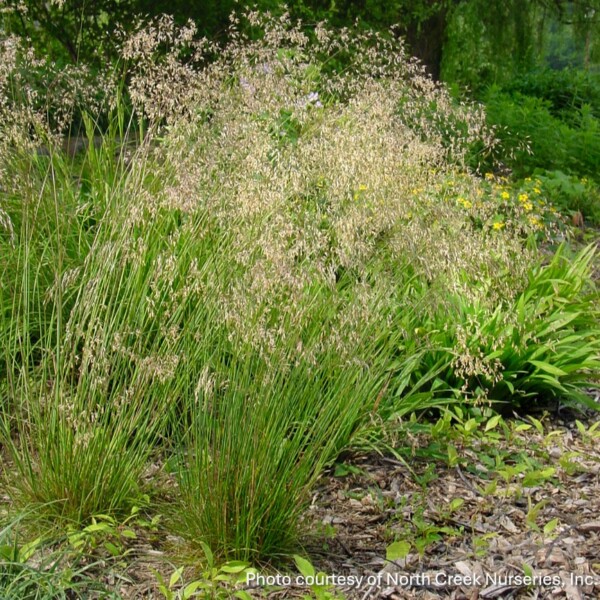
{"x": 464, "y": 535}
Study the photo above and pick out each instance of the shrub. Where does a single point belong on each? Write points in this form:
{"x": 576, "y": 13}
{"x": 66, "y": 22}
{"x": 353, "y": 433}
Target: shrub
{"x": 567, "y": 90}
{"x": 531, "y": 137}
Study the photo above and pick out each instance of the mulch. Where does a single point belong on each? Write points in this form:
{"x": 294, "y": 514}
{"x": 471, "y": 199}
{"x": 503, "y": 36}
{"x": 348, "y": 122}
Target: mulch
{"x": 466, "y": 543}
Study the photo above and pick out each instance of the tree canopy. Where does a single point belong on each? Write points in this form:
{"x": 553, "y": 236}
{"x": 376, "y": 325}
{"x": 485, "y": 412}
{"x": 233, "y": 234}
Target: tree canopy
{"x": 459, "y": 40}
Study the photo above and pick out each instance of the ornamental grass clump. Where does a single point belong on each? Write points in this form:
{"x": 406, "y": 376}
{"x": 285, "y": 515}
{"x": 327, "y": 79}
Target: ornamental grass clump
{"x": 79, "y": 419}
{"x": 321, "y": 192}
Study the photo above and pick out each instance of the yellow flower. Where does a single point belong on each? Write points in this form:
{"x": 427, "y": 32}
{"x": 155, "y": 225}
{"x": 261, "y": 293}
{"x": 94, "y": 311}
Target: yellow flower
{"x": 528, "y": 179}
{"x": 465, "y": 203}
{"x": 528, "y": 206}
{"x": 535, "y": 222}
{"x": 489, "y": 176}
{"x": 361, "y": 188}
{"x": 523, "y": 197}
{"x": 505, "y": 195}
{"x": 499, "y": 225}
{"x": 537, "y": 190}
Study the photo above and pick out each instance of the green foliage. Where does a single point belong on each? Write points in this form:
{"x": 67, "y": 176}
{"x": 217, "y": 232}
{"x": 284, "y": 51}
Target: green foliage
{"x": 77, "y": 453}
{"x": 567, "y": 91}
{"x": 319, "y": 591}
{"x": 397, "y": 550}
{"x": 421, "y": 532}
{"x": 590, "y": 433}
{"x": 38, "y": 571}
{"x": 105, "y": 534}
{"x": 256, "y": 454}
{"x": 79, "y": 31}
{"x": 513, "y": 43}
{"x": 528, "y": 202}
{"x": 260, "y": 276}
{"x": 571, "y": 194}
{"x": 216, "y": 581}
{"x": 472, "y": 43}
{"x": 488, "y": 42}
{"x": 548, "y": 126}
{"x": 541, "y": 346}
{"x": 532, "y": 137}
{"x": 133, "y": 301}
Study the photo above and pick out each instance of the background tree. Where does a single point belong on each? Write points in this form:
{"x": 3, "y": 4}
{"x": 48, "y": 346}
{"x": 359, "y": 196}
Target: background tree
{"x": 467, "y": 41}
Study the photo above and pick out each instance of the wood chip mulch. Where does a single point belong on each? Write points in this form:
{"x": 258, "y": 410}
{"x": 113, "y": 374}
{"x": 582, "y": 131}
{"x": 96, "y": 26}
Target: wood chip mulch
{"x": 466, "y": 539}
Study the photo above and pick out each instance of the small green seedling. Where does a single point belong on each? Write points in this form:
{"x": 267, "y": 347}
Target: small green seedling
{"x": 216, "y": 582}
{"x": 534, "y": 512}
{"x": 398, "y": 550}
{"x": 318, "y": 591}
{"x": 481, "y": 544}
{"x": 588, "y": 434}
{"x": 550, "y": 526}
{"x": 570, "y": 467}
{"x": 537, "y": 477}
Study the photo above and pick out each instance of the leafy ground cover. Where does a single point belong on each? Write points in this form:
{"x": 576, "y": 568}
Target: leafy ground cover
{"x": 510, "y": 497}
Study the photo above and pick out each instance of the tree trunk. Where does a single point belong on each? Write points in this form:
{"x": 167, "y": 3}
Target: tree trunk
{"x": 426, "y": 41}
